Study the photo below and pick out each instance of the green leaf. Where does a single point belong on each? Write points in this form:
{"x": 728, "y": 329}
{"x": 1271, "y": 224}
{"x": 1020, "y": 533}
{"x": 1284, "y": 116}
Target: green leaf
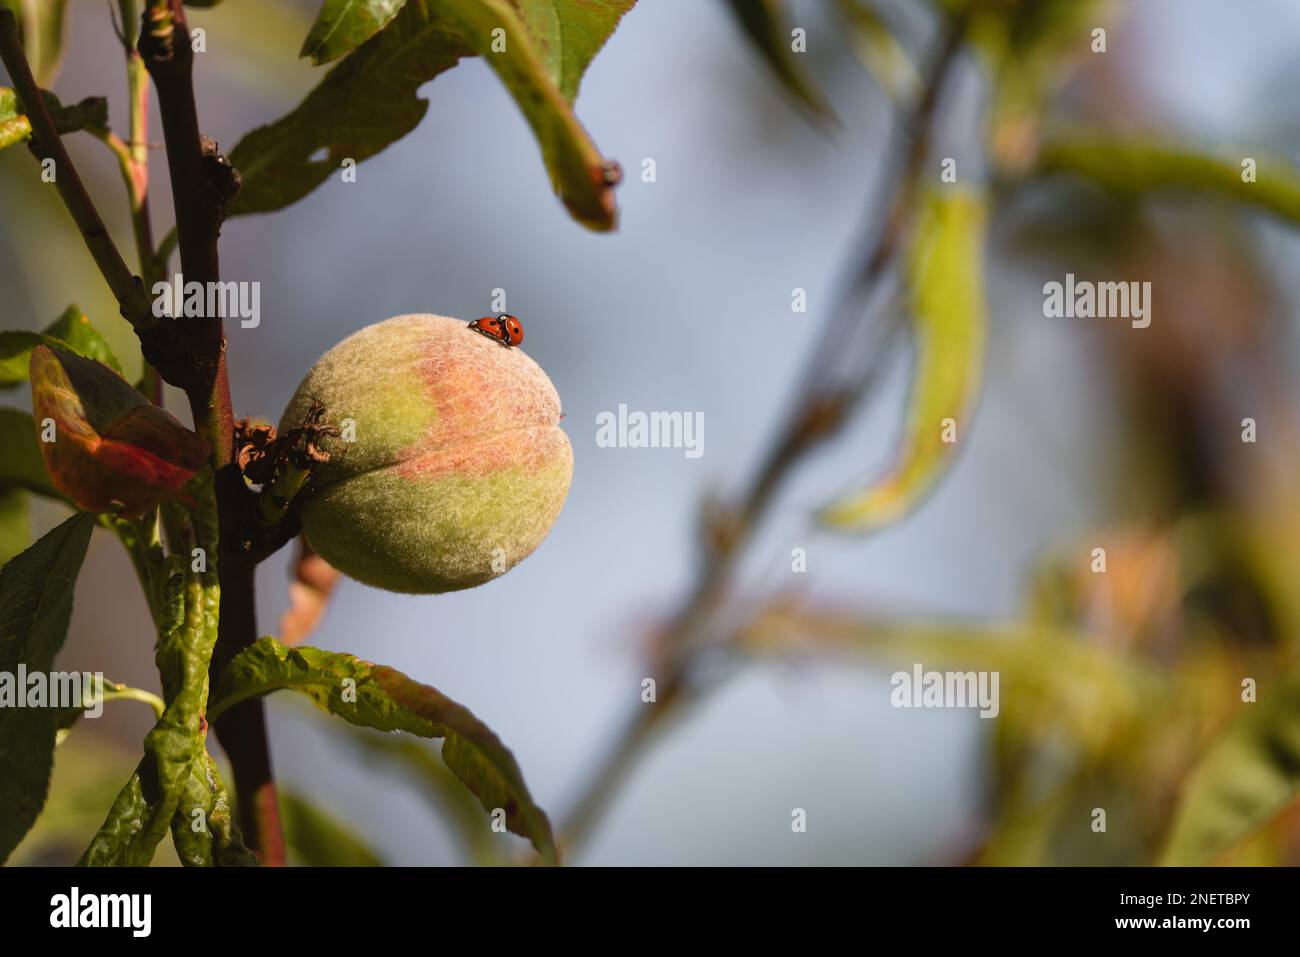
{"x": 21, "y": 465}
{"x": 174, "y": 749}
{"x": 35, "y": 607}
{"x": 373, "y": 696}
{"x": 16, "y": 347}
{"x": 16, "y": 128}
{"x": 368, "y": 100}
{"x": 569, "y": 33}
{"x": 75, "y": 330}
{"x": 115, "y": 451}
{"x": 72, "y": 331}
{"x": 203, "y": 827}
{"x": 767, "y": 31}
{"x": 343, "y": 25}
{"x": 1132, "y": 165}
{"x": 581, "y": 177}
{"x": 945, "y": 278}
{"x": 15, "y": 523}
{"x": 319, "y": 839}
{"x": 1248, "y": 775}
{"x": 365, "y": 102}
{"x": 40, "y": 23}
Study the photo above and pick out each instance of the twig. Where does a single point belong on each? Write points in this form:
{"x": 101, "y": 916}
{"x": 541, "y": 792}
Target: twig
{"x": 826, "y": 394}
{"x": 127, "y": 289}
{"x": 200, "y": 195}
{"x": 135, "y": 169}
{"x": 242, "y": 729}
{"x": 203, "y": 184}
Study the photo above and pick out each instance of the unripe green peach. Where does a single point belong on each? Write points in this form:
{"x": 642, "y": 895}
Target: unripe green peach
{"x": 451, "y": 466}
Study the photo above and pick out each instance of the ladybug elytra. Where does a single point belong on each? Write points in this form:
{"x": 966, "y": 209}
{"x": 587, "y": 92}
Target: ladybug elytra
{"x": 505, "y": 329}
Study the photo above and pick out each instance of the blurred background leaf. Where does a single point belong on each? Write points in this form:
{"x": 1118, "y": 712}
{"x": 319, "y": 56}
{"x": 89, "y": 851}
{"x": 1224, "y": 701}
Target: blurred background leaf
{"x": 317, "y": 838}
{"x": 42, "y": 25}
{"x": 1249, "y": 775}
{"x": 765, "y": 25}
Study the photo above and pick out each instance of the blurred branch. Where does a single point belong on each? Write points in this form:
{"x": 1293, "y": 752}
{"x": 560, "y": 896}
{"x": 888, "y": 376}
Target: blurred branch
{"x": 1134, "y": 165}
{"x": 834, "y": 380}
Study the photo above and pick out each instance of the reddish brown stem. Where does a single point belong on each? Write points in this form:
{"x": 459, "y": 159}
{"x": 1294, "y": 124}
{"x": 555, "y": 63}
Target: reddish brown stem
{"x": 203, "y": 184}
{"x": 242, "y": 729}
{"x": 199, "y": 201}
{"x": 46, "y": 143}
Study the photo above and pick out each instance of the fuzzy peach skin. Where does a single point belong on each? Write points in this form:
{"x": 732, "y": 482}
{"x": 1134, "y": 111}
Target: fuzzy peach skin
{"x": 457, "y": 469}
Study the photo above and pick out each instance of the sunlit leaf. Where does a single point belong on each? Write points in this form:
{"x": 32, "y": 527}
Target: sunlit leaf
{"x": 946, "y": 285}
{"x": 368, "y": 100}
{"x": 374, "y": 696}
{"x": 35, "y": 607}
{"x": 580, "y": 176}
{"x": 1246, "y": 778}
{"x": 569, "y": 33}
{"x": 112, "y": 451}
{"x": 365, "y": 102}
{"x": 75, "y": 330}
{"x": 15, "y": 127}
{"x": 203, "y": 827}
{"x": 343, "y": 25}
{"x": 72, "y": 331}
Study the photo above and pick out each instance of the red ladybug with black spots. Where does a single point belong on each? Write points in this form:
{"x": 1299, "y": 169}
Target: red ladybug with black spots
{"x": 505, "y": 329}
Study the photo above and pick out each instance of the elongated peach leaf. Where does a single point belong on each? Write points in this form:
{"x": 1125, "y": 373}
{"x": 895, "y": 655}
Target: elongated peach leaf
{"x": 35, "y": 608}
{"x": 373, "y": 696}
{"x": 1143, "y": 164}
{"x": 945, "y": 279}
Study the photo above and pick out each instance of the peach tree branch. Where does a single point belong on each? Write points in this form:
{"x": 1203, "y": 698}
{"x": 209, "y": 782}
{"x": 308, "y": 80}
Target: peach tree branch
{"x": 825, "y": 397}
{"x": 127, "y": 289}
{"x": 203, "y": 186}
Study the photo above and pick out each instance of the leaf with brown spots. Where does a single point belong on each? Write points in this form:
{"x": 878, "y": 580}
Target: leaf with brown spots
{"x": 373, "y": 696}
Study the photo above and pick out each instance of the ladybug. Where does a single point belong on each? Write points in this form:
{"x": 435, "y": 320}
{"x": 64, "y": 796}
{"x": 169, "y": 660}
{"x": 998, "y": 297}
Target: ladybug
{"x": 505, "y": 329}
